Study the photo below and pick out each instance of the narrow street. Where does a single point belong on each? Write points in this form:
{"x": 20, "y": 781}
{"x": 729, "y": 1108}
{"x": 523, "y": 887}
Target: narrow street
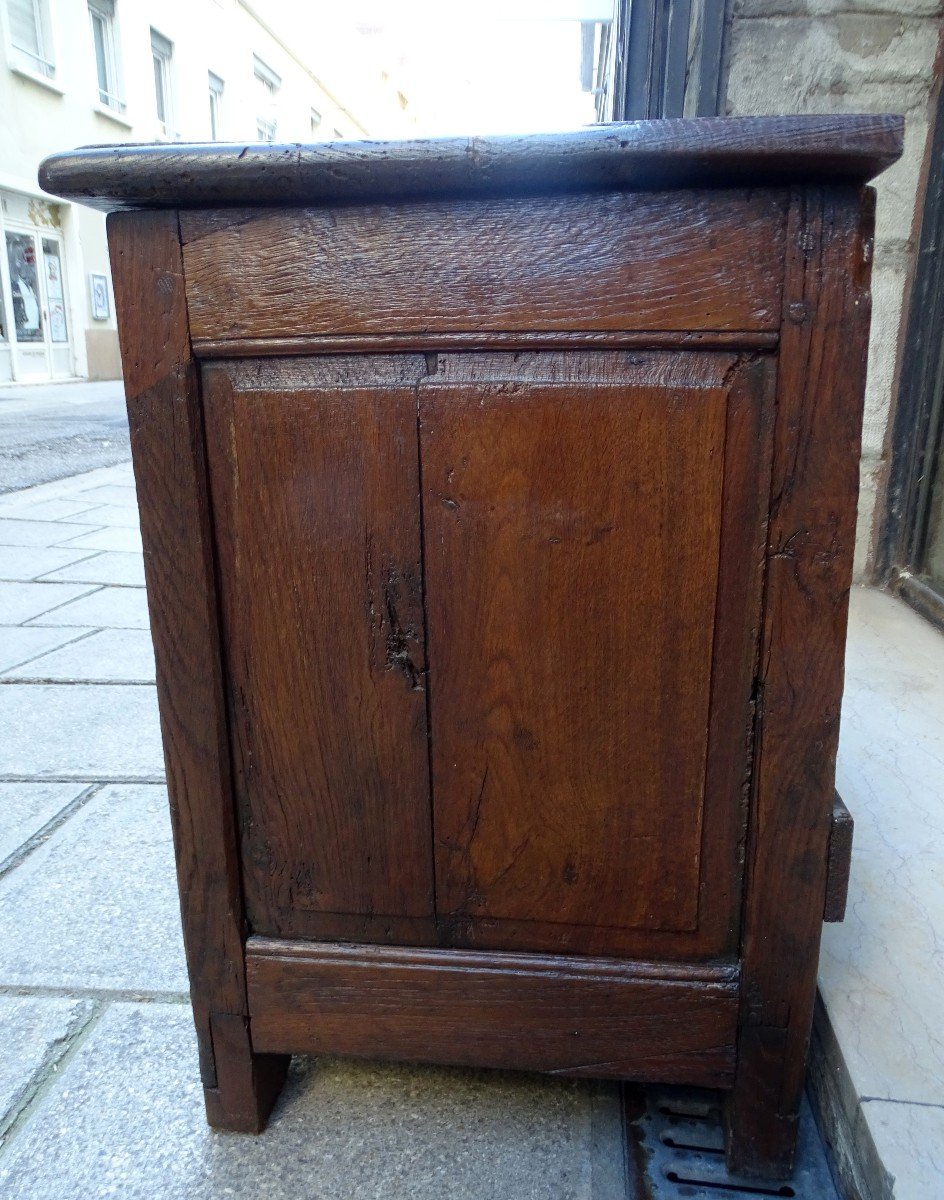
{"x": 51, "y": 431}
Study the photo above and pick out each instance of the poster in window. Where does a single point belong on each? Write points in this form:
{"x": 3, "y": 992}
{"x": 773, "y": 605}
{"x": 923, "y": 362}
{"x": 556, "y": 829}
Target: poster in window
{"x": 101, "y": 309}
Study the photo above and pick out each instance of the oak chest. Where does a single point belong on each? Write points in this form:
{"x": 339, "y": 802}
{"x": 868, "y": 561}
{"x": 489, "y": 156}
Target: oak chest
{"x": 498, "y": 502}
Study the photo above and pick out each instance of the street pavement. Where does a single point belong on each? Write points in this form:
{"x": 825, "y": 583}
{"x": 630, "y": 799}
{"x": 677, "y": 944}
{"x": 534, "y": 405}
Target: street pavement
{"x": 51, "y": 431}
{"x": 99, "y": 1088}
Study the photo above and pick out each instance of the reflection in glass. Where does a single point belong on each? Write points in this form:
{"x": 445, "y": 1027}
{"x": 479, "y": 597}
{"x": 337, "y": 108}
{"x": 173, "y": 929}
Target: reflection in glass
{"x": 932, "y": 565}
{"x": 55, "y": 296}
{"x": 24, "y": 284}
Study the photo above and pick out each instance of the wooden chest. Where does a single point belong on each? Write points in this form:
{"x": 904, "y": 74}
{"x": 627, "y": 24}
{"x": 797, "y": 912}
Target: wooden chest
{"x": 498, "y": 503}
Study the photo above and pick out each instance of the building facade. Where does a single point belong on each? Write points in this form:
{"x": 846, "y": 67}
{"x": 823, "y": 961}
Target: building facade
{"x": 80, "y": 72}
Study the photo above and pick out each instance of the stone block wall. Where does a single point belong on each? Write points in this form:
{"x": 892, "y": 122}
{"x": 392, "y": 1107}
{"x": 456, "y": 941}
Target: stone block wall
{"x": 817, "y": 56}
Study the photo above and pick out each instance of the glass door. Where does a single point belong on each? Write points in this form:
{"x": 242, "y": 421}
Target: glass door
{"x": 39, "y": 325}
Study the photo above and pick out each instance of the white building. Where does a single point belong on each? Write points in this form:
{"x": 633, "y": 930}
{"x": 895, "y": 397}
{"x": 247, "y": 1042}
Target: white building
{"x": 80, "y": 72}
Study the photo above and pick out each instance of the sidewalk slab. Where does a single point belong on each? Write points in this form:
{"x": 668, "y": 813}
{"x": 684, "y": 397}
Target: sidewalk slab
{"x": 33, "y": 1032}
{"x": 22, "y": 643}
{"x": 96, "y": 905}
{"x": 111, "y": 607}
{"x": 74, "y": 731}
{"x": 17, "y": 532}
{"x": 910, "y": 1141}
{"x": 21, "y": 602}
{"x": 127, "y": 540}
{"x": 124, "y": 516}
{"x": 877, "y": 1071}
{"x": 31, "y": 562}
{"x": 52, "y": 510}
{"x": 112, "y": 493}
{"x": 106, "y": 656}
{"x": 104, "y": 566}
{"x": 26, "y": 807}
{"x": 354, "y": 1130}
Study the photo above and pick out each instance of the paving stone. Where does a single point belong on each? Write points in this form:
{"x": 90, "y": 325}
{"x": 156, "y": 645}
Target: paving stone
{"x": 96, "y": 905}
{"x": 111, "y": 493}
{"x": 109, "y": 607}
{"x": 30, "y": 562}
{"x": 21, "y": 643}
{"x": 910, "y": 1142}
{"x": 21, "y": 601}
{"x": 113, "y": 515}
{"x": 107, "y": 566}
{"x": 26, "y": 807}
{"x": 109, "y": 655}
{"x": 53, "y": 510}
{"x": 14, "y": 532}
{"x": 34, "y": 1032}
{"x": 74, "y": 731}
{"x": 130, "y": 1100}
{"x": 128, "y": 540}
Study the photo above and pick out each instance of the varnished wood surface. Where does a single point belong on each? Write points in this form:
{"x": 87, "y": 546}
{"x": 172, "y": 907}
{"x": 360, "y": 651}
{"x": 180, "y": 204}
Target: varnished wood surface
{"x": 315, "y": 488}
{"x": 528, "y": 339}
{"x": 651, "y": 261}
{"x": 167, "y": 443}
{"x": 824, "y": 342}
{"x": 569, "y": 702}
{"x": 596, "y": 1018}
{"x": 627, "y": 666}
{"x": 700, "y": 152}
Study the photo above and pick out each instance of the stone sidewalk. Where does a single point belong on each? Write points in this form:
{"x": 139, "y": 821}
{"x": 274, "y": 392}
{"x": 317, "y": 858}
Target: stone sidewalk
{"x": 99, "y": 1093}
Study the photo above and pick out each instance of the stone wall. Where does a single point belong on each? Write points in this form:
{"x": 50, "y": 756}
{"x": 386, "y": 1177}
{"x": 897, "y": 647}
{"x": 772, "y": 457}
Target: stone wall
{"x": 816, "y": 56}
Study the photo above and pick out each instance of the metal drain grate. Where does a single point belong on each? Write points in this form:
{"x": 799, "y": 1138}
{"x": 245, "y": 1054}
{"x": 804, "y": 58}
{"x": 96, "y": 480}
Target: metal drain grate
{"x": 676, "y": 1142}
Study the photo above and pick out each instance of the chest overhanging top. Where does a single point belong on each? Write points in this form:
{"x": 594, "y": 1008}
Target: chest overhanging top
{"x": 638, "y": 156}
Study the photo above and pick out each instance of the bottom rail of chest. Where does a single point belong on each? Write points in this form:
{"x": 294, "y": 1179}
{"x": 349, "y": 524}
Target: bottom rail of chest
{"x": 590, "y": 1017}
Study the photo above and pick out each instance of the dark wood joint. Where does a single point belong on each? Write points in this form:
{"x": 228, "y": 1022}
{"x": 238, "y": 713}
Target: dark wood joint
{"x": 838, "y": 861}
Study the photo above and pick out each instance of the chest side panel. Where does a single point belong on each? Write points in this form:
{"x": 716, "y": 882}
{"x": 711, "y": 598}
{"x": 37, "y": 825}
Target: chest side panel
{"x": 577, "y": 519}
{"x": 608, "y": 261}
{"x": 315, "y": 491}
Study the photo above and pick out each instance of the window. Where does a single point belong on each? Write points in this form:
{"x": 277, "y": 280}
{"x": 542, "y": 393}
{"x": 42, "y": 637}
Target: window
{"x": 216, "y": 105}
{"x": 105, "y": 41}
{"x": 29, "y": 36}
{"x": 315, "y": 120}
{"x": 909, "y": 555}
{"x": 162, "y": 53}
{"x": 267, "y": 88}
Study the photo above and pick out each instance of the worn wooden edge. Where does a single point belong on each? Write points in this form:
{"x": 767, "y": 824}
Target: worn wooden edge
{"x": 167, "y": 440}
{"x": 419, "y": 342}
{"x": 726, "y": 973}
{"x": 594, "y": 1018}
{"x": 838, "y": 861}
{"x": 817, "y": 438}
{"x": 643, "y": 155}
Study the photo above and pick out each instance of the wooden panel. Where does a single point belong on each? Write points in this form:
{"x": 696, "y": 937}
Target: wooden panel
{"x": 316, "y": 507}
{"x": 596, "y": 1017}
{"x": 167, "y": 444}
{"x": 809, "y": 568}
{"x": 573, "y": 541}
{"x": 748, "y": 151}
{"x": 615, "y": 260}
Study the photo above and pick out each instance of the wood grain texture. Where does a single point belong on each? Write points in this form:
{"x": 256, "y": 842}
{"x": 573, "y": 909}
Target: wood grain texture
{"x": 723, "y": 152}
{"x": 570, "y": 704}
{"x": 469, "y": 340}
{"x": 167, "y": 443}
{"x": 809, "y": 568}
{"x": 319, "y": 564}
{"x": 838, "y": 861}
{"x": 661, "y": 261}
{"x": 596, "y": 1018}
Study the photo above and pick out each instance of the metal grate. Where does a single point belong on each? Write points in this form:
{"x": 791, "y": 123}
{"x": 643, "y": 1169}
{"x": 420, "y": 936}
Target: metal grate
{"x": 676, "y": 1141}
